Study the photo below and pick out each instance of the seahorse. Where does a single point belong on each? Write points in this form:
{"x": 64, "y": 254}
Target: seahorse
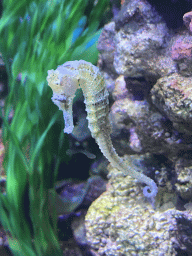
{"x": 73, "y": 75}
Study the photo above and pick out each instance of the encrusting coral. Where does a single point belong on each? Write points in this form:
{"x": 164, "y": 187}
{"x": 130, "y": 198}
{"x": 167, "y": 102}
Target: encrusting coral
{"x": 73, "y": 75}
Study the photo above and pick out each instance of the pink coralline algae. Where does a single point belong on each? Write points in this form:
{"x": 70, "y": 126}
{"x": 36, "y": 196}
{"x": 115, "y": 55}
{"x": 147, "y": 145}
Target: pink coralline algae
{"x": 187, "y": 19}
{"x": 182, "y": 48}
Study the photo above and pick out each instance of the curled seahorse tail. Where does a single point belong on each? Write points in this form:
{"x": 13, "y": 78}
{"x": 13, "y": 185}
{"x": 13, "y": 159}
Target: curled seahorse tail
{"x": 105, "y": 145}
{"x": 150, "y": 190}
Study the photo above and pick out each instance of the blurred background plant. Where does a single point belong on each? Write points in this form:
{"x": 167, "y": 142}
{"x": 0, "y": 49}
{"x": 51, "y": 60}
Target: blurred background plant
{"x": 36, "y": 36}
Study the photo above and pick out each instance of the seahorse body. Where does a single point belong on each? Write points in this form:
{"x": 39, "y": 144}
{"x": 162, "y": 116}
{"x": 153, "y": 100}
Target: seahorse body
{"x": 64, "y": 81}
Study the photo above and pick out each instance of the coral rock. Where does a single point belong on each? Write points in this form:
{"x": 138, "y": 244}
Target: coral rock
{"x": 173, "y": 96}
{"x": 120, "y": 223}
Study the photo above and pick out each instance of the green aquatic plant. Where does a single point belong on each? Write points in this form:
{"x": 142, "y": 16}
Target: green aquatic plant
{"x": 34, "y": 37}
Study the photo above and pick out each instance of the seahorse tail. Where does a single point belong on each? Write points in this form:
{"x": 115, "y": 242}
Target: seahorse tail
{"x": 105, "y": 145}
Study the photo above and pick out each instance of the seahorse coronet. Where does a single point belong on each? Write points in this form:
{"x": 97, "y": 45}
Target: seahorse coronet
{"x": 64, "y": 81}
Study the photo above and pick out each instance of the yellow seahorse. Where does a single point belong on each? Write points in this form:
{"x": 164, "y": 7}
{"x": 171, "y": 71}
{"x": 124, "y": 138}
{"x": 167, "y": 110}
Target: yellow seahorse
{"x": 64, "y": 81}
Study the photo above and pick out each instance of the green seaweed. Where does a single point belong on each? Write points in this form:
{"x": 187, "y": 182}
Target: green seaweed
{"x": 36, "y": 36}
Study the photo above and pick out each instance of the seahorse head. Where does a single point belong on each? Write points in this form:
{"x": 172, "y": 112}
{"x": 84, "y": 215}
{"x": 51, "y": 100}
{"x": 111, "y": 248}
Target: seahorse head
{"x": 62, "y": 82}
{"x": 64, "y": 86}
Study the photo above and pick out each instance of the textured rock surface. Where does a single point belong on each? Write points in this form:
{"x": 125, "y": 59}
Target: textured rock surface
{"x": 148, "y": 55}
{"x": 141, "y": 41}
{"x": 106, "y": 46}
{"x": 181, "y": 53}
{"x": 173, "y": 95}
{"x": 146, "y": 129}
{"x": 183, "y": 184}
{"x": 121, "y": 222}
{"x": 148, "y": 71}
{"x": 187, "y": 20}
